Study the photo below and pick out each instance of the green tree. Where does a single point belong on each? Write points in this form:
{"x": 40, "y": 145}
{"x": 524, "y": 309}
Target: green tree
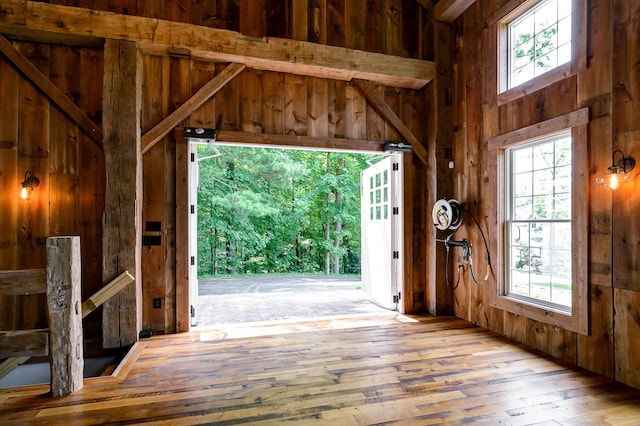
{"x": 267, "y": 210}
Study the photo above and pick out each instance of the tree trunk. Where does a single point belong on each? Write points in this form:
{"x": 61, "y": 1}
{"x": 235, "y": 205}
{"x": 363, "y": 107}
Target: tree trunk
{"x": 327, "y": 224}
{"x": 231, "y": 256}
{"x": 337, "y": 226}
{"x": 214, "y": 249}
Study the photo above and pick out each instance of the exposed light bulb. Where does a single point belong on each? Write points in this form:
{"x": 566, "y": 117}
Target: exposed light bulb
{"x": 24, "y": 194}
{"x": 612, "y": 181}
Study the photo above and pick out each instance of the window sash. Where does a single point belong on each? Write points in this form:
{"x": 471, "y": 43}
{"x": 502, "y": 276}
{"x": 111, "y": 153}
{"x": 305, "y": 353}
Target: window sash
{"x": 510, "y": 270}
{"x": 510, "y": 219}
{"x": 563, "y": 42}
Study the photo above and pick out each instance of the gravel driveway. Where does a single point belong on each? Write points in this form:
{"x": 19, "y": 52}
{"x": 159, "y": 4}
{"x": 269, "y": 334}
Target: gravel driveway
{"x": 280, "y": 298}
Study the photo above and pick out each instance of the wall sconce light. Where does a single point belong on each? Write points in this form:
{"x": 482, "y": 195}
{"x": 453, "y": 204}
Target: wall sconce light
{"x": 617, "y": 173}
{"x": 29, "y": 183}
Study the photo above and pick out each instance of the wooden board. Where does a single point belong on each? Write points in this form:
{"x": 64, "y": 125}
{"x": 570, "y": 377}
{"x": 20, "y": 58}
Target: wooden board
{"x": 9, "y": 180}
{"x": 33, "y": 214}
{"x": 122, "y": 221}
{"x": 273, "y": 105}
{"x": 295, "y": 110}
{"x": 24, "y": 343}
{"x": 627, "y": 346}
{"x": 30, "y": 281}
{"x": 182, "y": 323}
{"x": 626, "y": 137}
{"x": 92, "y": 173}
{"x": 429, "y": 370}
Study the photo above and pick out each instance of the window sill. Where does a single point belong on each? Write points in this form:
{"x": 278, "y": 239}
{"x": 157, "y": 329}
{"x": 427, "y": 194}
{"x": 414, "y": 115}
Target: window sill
{"x": 546, "y": 315}
{"x": 540, "y": 82}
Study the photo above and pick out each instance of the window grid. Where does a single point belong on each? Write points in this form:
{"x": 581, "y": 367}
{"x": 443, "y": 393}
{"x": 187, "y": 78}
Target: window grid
{"x": 379, "y": 196}
{"x": 539, "y": 222}
{"x": 539, "y": 41}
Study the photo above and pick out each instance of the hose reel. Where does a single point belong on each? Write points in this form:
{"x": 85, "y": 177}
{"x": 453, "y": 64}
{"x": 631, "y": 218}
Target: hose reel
{"x": 447, "y": 215}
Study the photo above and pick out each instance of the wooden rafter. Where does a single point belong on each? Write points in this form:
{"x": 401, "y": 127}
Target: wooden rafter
{"x": 382, "y": 107}
{"x": 160, "y": 130}
{"x": 158, "y": 36}
{"x": 48, "y": 88}
{"x": 450, "y": 10}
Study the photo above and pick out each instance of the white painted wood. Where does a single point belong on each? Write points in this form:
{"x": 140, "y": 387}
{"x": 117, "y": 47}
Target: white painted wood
{"x": 381, "y": 231}
{"x": 194, "y": 182}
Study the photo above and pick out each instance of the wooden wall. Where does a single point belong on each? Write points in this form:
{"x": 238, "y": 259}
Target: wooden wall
{"x": 610, "y": 88}
{"x": 276, "y": 103}
{"x": 35, "y": 135}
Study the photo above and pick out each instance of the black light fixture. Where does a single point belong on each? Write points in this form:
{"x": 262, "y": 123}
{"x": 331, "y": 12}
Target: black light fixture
{"x": 29, "y": 183}
{"x": 617, "y": 173}
{"x": 403, "y": 147}
{"x": 200, "y": 135}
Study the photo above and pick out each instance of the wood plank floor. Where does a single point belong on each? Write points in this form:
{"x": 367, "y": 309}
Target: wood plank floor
{"x": 387, "y": 369}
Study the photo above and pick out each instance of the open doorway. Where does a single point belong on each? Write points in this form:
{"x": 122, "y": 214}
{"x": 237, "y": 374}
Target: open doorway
{"x": 276, "y": 234}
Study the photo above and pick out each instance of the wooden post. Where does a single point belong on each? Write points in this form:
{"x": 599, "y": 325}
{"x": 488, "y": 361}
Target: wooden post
{"x": 122, "y": 235}
{"x": 65, "y": 315}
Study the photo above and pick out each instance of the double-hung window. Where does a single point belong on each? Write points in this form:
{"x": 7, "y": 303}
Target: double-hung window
{"x": 541, "y": 176}
{"x": 538, "y": 223}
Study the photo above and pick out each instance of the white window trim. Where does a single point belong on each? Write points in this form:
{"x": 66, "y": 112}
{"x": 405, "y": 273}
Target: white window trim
{"x": 510, "y": 12}
{"x": 578, "y": 319}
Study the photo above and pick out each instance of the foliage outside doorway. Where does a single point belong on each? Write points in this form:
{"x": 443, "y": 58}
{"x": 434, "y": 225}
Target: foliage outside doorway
{"x": 272, "y": 211}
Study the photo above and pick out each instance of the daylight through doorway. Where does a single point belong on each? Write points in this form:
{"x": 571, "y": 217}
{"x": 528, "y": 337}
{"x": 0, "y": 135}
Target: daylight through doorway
{"x": 277, "y": 235}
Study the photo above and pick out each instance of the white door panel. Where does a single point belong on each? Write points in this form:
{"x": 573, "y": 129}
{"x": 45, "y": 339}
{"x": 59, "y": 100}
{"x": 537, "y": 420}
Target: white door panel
{"x": 381, "y": 231}
{"x": 194, "y": 182}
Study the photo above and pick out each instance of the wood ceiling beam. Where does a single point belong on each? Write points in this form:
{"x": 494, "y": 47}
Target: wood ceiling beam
{"x": 229, "y": 137}
{"x": 56, "y": 96}
{"x": 160, "y": 130}
{"x": 156, "y": 36}
{"x": 382, "y": 107}
{"x": 450, "y": 10}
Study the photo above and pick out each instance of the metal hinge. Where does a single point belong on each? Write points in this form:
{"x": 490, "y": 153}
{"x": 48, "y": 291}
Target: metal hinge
{"x": 193, "y": 260}
{"x": 193, "y": 209}
{"x": 396, "y": 210}
{"x": 397, "y": 298}
{"x": 396, "y": 255}
{"x": 193, "y": 311}
{"x": 193, "y": 157}
{"x": 396, "y": 167}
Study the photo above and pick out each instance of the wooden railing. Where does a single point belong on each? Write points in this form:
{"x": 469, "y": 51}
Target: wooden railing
{"x": 23, "y": 343}
{"x": 62, "y": 341}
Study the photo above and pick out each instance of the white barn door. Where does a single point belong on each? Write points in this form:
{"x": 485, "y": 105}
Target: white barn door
{"x": 381, "y": 200}
{"x": 194, "y": 182}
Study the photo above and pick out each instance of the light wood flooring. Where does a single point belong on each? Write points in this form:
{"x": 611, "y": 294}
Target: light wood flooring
{"x": 385, "y": 369}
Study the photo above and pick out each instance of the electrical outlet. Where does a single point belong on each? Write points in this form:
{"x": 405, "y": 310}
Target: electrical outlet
{"x": 157, "y": 303}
